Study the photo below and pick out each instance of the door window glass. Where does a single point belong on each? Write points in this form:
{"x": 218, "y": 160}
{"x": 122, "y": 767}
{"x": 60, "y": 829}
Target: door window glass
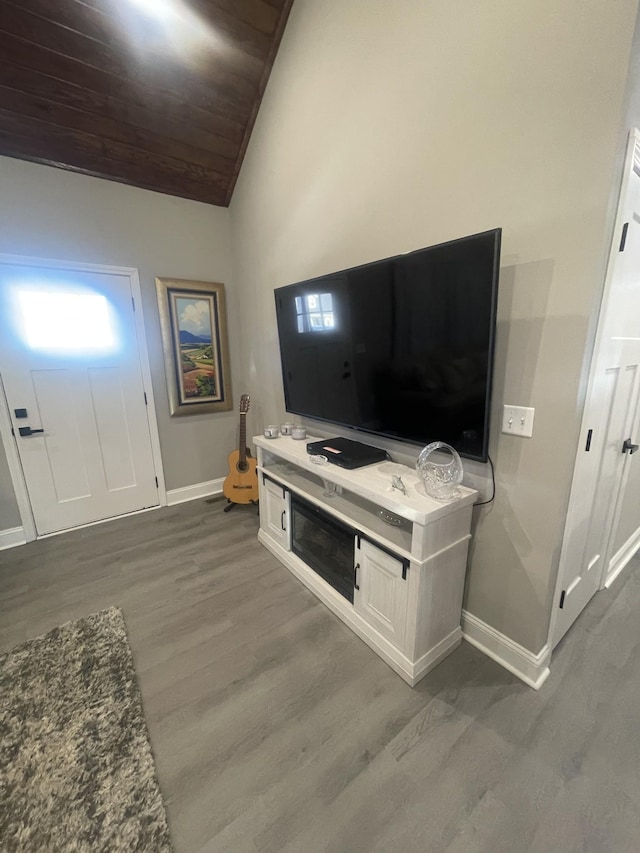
{"x": 67, "y": 321}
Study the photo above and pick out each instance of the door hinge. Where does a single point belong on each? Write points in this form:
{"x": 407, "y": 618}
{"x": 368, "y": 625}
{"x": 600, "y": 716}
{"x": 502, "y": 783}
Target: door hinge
{"x": 623, "y": 239}
{"x": 145, "y": 399}
{"x": 133, "y": 303}
{"x": 588, "y": 444}
{"x": 156, "y": 482}
{"x": 564, "y": 592}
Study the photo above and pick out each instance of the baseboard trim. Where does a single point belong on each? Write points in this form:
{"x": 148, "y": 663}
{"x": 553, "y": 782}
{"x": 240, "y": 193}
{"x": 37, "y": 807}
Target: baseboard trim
{"x": 12, "y": 537}
{"x": 192, "y": 493}
{"x": 530, "y": 668}
{"x": 623, "y": 556}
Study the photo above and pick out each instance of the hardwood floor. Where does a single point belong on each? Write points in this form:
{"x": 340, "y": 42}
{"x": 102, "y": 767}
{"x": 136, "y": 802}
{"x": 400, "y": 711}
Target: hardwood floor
{"x": 276, "y": 729}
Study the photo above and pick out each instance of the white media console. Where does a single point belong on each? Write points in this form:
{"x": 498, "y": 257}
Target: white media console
{"x": 408, "y": 557}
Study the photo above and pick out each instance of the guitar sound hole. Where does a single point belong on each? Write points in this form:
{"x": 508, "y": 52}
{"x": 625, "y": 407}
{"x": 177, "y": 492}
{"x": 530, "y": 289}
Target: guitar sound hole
{"x": 243, "y": 467}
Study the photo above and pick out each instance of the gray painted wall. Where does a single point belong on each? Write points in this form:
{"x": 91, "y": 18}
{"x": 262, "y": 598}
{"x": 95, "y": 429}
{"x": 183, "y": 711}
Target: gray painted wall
{"x": 394, "y": 126}
{"x": 51, "y": 213}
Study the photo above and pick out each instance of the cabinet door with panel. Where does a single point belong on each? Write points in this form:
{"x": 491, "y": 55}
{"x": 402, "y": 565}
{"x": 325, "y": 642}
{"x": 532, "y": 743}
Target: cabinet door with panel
{"x": 380, "y": 595}
{"x": 274, "y": 509}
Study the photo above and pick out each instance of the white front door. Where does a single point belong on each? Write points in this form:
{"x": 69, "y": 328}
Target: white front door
{"x": 611, "y": 415}
{"x": 70, "y": 368}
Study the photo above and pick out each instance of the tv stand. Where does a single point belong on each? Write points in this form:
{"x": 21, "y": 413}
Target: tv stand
{"x": 409, "y": 551}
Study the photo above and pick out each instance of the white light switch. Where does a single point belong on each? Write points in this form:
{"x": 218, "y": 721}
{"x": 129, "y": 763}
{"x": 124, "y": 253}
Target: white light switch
{"x": 518, "y": 420}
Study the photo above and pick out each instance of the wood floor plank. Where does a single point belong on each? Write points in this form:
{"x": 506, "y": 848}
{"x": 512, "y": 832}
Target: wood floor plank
{"x": 276, "y": 730}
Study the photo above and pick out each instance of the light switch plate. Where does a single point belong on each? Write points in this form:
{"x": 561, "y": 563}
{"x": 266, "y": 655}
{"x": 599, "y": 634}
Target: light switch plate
{"x": 518, "y": 420}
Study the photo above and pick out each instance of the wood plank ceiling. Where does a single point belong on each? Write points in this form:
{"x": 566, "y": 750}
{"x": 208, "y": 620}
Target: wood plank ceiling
{"x": 161, "y": 94}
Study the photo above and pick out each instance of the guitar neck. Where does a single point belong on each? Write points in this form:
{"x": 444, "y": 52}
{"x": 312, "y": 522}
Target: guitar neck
{"x": 243, "y": 438}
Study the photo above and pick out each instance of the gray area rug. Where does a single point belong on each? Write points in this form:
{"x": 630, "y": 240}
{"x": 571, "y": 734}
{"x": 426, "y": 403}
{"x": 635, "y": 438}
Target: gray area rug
{"x": 76, "y": 768}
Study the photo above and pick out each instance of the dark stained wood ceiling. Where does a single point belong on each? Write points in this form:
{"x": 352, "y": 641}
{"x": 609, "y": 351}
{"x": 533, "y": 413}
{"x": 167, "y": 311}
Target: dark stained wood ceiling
{"x": 161, "y": 94}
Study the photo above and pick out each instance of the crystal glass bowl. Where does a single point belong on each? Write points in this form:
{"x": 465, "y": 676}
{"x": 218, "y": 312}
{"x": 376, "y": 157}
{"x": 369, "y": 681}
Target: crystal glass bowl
{"x": 441, "y": 477}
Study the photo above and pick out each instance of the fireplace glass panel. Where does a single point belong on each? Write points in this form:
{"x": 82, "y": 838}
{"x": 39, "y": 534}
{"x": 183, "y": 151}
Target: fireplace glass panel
{"x": 325, "y": 544}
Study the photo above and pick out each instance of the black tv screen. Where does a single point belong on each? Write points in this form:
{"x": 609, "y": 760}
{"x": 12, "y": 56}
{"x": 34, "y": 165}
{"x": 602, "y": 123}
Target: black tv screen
{"x": 401, "y": 348}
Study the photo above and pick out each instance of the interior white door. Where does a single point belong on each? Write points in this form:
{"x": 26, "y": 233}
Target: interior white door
{"x": 626, "y": 524}
{"x": 611, "y": 412}
{"x": 70, "y": 367}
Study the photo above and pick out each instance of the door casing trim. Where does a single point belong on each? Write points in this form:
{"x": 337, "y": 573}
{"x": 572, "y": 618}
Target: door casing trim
{"x": 8, "y": 439}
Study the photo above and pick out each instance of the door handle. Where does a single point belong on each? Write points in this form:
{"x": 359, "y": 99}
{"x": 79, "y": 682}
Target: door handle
{"x": 355, "y": 576}
{"x": 25, "y": 431}
{"x": 283, "y": 515}
{"x": 629, "y": 448}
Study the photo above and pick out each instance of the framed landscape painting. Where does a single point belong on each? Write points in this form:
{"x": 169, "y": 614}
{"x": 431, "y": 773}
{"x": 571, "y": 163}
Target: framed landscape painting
{"x": 196, "y": 349}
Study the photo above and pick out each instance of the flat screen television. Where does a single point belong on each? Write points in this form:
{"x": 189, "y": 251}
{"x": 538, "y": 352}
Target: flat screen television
{"x": 400, "y": 348}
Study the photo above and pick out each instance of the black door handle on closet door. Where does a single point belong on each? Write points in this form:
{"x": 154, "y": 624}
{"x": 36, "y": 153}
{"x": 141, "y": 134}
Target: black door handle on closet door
{"x": 629, "y": 448}
{"x": 26, "y": 431}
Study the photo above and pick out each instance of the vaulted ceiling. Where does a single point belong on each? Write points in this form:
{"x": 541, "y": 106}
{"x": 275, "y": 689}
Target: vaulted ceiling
{"x": 161, "y": 94}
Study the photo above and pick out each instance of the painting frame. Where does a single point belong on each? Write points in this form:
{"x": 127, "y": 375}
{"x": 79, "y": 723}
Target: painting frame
{"x": 193, "y": 324}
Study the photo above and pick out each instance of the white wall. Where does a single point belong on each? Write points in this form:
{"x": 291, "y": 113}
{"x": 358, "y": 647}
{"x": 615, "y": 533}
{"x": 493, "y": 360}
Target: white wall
{"x": 390, "y": 126}
{"x": 47, "y": 212}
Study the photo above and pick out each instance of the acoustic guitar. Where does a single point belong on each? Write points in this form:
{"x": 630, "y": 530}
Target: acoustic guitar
{"x": 241, "y": 483}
